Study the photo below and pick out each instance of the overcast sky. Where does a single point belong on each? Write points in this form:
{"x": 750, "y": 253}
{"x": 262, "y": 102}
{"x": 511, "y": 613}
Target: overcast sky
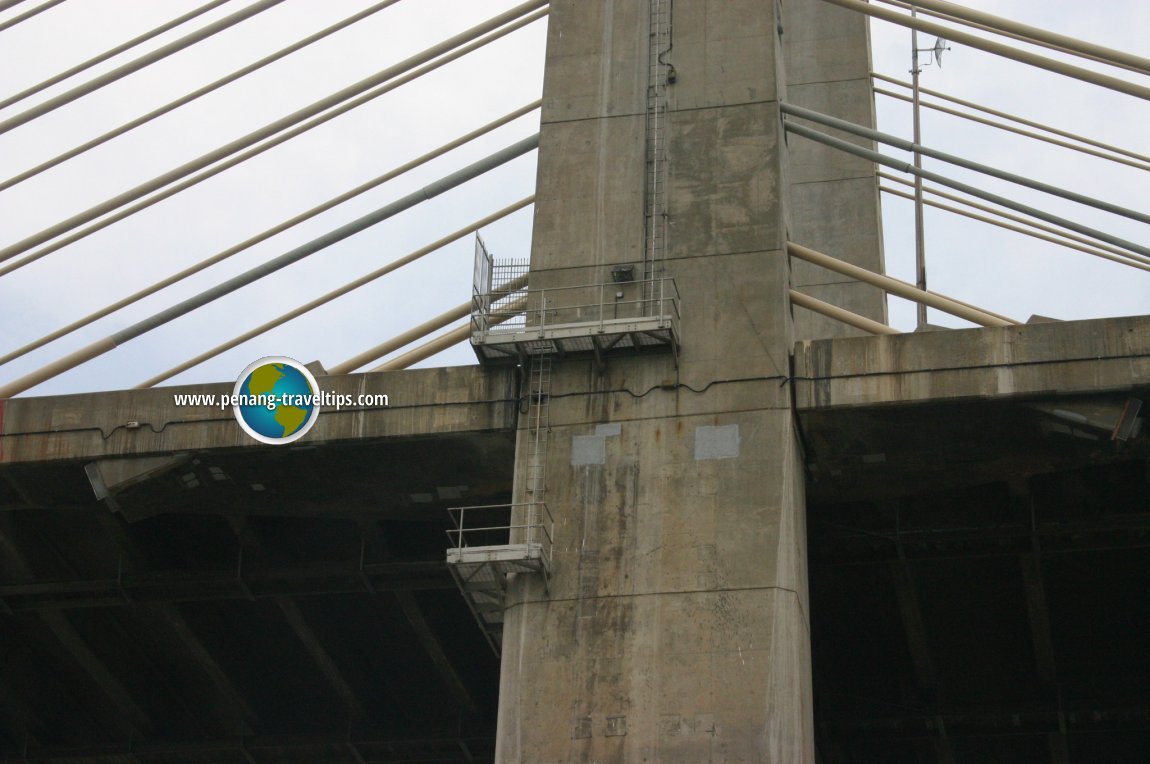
{"x": 1006, "y": 272}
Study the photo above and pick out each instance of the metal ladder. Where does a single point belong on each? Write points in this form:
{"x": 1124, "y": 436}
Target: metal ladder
{"x": 656, "y": 207}
{"x": 479, "y": 566}
{"x": 539, "y": 424}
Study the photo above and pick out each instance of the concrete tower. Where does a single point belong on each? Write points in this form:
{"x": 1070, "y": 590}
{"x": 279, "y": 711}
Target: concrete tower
{"x": 675, "y": 627}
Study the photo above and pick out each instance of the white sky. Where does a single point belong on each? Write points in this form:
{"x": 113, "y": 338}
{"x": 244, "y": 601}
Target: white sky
{"x": 975, "y": 262}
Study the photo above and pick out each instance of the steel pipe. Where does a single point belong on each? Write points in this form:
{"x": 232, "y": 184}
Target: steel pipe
{"x": 882, "y": 159}
{"x": 111, "y": 53}
{"x": 335, "y": 293}
{"x": 906, "y": 5}
{"x": 418, "y": 332}
{"x": 252, "y": 241}
{"x": 195, "y": 94}
{"x": 905, "y": 145}
{"x": 1060, "y": 41}
{"x": 1091, "y": 244}
{"x": 1020, "y": 229}
{"x": 147, "y": 59}
{"x": 990, "y": 46}
{"x": 122, "y": 129}
{"x": 898, "y": 288}
{"x": 1015, "y": 118}
{"x": 272, "y": 128}
{"x": 445, "y": 340}
{"x": 386, "y": 87}
{"x": 29, "y": 14}
{"x": 227, "y": 287}
{"x": 1016, "y": 130}
{"x": 850, "y": 318}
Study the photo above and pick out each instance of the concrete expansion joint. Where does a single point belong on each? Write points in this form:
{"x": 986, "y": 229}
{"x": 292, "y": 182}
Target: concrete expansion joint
{"x": 971, "y": 367}
{"x": 720, "y": 107}
{"x": 669, "y": 592}
{"x": 668, "y": 258}
{"x": 865, "y": 78}
{"x": 669, "y": 386}
{"x": 845, "y": 280}
{"x": 710, "y": 255}
{"x": 833, "y": 180}
{"x": 592, "y": 118}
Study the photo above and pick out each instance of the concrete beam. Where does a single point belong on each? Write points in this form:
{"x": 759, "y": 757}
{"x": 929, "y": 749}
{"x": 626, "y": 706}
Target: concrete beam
{"x": 300, "y": 625}
{"x": 434, "y": 650}
{"x": 311, "y": 642}
{"x": 127, "y": 712}
{"x": 217, "y": 586}
{"x": 17, "y": 716}
{"x": 1094, "y": 356}
{"x": 412, "y": 744}
{"x": 234, "y": 714}
{"x": 97, "y": 425}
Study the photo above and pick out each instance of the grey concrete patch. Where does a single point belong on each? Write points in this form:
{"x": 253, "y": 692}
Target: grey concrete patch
{"x": 616, "y": 726}
{"x": 613, "y": 428}
{"x": 588, "y": 449}
{"x": 721, "y": 442}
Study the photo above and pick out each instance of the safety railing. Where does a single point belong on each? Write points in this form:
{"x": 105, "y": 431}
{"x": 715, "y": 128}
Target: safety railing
{"x": 596, "y": 306}
{"x": 505, "y": 531}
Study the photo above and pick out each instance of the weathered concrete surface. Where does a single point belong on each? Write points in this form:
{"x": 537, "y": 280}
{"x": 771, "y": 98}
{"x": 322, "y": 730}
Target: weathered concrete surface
{"x": 423, "y": 402}
{"x": 676, "y": 627}
{"x": 833, "y": 202}
{"x": 591, "y": 208}
{"x": 678, "y": 602}
{"x": 1096, "y": 356}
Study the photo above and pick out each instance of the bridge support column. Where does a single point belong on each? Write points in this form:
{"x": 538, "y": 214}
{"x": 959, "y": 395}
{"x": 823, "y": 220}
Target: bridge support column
{"x": 676, "y": 627}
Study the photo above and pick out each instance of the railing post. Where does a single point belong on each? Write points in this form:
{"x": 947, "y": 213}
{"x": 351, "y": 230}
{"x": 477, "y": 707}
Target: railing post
{"x": 602, "y": 305}
{"x": 542, "y": 310}
{"x": 661, "y": 308}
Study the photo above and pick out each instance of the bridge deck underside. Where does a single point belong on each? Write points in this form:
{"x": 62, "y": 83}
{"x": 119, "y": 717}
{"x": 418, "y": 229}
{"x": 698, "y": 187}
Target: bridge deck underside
{"x": 262, "y": 605}
{"x": 976, "y": 595}
{"x": 977, "y": 580}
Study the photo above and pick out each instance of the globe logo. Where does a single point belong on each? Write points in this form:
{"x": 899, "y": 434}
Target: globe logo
{"x": 276, "y": 400}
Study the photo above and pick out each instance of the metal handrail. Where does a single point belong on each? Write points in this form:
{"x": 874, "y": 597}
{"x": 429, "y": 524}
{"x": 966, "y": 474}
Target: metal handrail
{"x": 543, "y": 522}
{"x": 546, "y": 305}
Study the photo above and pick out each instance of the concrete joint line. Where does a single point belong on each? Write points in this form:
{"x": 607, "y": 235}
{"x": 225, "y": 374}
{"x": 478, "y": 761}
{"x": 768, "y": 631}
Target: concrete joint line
{"x": 865, "y": 78}
{"x": 1004, "y": 365}
{"x": 720, "y": 107}
{"x": 834, "y": 180}
{"x": 595, "y": 118}
{"x": 660, "y": 417}
{"x": 676, "y": 592}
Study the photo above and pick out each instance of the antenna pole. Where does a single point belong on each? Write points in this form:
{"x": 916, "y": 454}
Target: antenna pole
{"x": 919, "y": 234}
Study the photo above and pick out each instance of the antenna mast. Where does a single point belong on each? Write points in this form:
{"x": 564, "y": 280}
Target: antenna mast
{"x": 919, "y": 232}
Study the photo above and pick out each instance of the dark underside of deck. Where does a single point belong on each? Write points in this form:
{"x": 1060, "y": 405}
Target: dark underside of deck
{"x": 978, "y": 593}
